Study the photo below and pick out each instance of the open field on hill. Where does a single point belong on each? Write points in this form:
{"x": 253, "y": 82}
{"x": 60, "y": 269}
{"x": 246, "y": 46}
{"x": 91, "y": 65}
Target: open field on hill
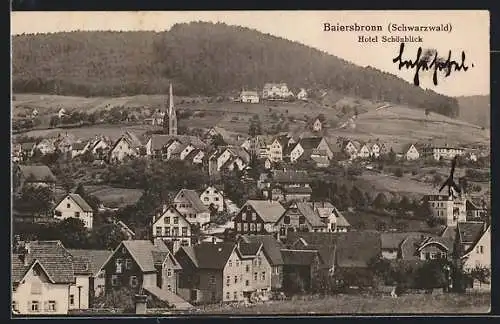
{"x": 477, "y": 303}
{"x": 403, "y": 185}
{"x": 114, "y": 197}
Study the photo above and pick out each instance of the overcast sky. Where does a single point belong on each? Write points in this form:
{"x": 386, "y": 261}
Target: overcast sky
{"x": 470, "y": 33}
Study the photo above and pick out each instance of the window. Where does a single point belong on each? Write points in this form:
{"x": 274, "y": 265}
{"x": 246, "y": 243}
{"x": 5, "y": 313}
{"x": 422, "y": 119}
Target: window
{"x": 133, "y": 281}
{"x": 238, "y": 227}
{"x": 184, "y": 231}
{"x": 68, "y": 205}
{"x": 230, "y": 263}
{"x": 427, "y": 255}
{"x": 235, "y": 279}
{"x": 247, "y": 268}
{"x": 276, "y": 270}
{"x": 169, "y": 287}
{"x": 167, "y": 231}
{"x": 166, "y": 220}
{"x": 244, "y": 216}
{"x": 247, "y": 283}
{"x": 237, "y": 263}
{"x": 169, "y": 272}
{"x": 158, "y": 230}
{"x": 185, "y": 243}
{"x": 36, "y": 288}
{"x": 205, "y": 199}
{"x": 114, "y": 281}
{"x": 175, "y": 231}
{"x": 77, "y": 214}
{"x": 263, "y": 276}
{"x": 35, "y": 306}
{"x": 245, "y": 227}
{"x": 211, "y": 280}
{"x": 216, "y": 198}
{"x": 52, "y": 306}
{"x": 255, "y": 276}
{"x": 176, "y": 220}
{"x": 252, "y": 227}
{"x": 235, "y": 295}
{"x": 228, "y": 281}
{"x": 254, "y": 216}
{"x": 71, "y": 299}
{"x": 286, "y": 220}
{"x": 302, "y": 220}
{"x": 228, "y": 295}
{"x": 119, "y": 265}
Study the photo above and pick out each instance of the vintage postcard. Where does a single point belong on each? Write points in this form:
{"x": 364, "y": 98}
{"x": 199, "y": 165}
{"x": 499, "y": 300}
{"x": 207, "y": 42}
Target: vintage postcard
{"x": 250, "y": 163}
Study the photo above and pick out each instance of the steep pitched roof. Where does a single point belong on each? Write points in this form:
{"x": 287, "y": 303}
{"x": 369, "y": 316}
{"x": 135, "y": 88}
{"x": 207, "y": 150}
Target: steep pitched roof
{"x": 249, "y": 93}
{"x": 213, "y": 256}
{"x": 78, "y": 146}
{"x": 160, "y": 140}
{"x": 133, "y": 139}
{"x": 412, "y": 244}
{"x": 145, "y": 253}
{"x": 193, "y": 197}
{"x": 39, "y": 173}
{"x": 394, "y": 240}
{"x": 95, "y": 258}
{"x": 80, "y": 202}
{"x": 298, "y": 257}
{"x": 290, "y": 176}
{"x": 27, "y": 146}
{"x": 470, "y": 232}
{"x": 52, "y": 256}
{"x": 270, "y": 245}
{"x": 309, "y": 143}
{"x": 357, "y": 249}
{"x": 308, "y": 212}
{"x": 269, "y": 211}
{"x": 249, "y": 249}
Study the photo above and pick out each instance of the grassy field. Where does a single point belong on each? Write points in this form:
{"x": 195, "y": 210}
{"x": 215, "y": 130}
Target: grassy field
{"x": 356, "y": 304}
{"x": 114, "y": 197}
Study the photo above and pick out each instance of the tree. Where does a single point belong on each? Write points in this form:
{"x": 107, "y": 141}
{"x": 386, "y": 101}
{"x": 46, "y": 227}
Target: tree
{"x": 432, "y": 274}
{"x": 54, "y": 121}
{"x": 380, "y": 201}
{"x": 122, "y": 298}
{"x": 398, "y": 172}
{"x": 357, "y": 197}
{"x": 437, "y": 180}
{"x": 255, "y": 127}
{"x": 107, "y": 236}
{"x": 424, "y": 211}
{"x": 72, "y": 233}
{"x": 35, "y": 200}
{"x": 405, "y": 204}
{"x": 93, "y": 201}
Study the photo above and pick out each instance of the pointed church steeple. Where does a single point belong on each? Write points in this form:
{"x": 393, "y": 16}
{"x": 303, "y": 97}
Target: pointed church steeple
{"x": 172, "y": 116}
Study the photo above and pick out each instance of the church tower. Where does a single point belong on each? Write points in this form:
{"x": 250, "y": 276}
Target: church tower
{"x": 172, "y": 117}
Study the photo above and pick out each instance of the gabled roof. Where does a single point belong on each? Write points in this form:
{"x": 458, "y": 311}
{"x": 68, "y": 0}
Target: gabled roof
{"x": 357, "y": 249}
{"x": 133, "y": 139}
{"x": 324, "y": 243}
{"x": 39, "y": 173}
{"x": 27, "y": 146}
{"x": 193, "y": 197}
{"x": 470, "y": 232}
{"x": 171, "y": 208}
{"x": 290, "y": 176}
{"x": 56, "y": 261}
{"x": 79, "y": 201}
{"x": 78, "y": 146}
{"x": 144, "y": 253}
{"x": 297, "y": 190}
{"x": 191, "y": 155}
{"x": 270, "y": 245}
{"x": 394, "y": 240}
{"x": 249, "y": 249}
{"x": 249, "y": 93}
{"x": 160, "y": 140}
{"x": 95, "y": 258}
{"x": 213, "y": 256}
{"x": 474, "y": 204}
{"x": 269, "y": 211}
{"x": 309, "y": 143}
{"x": 298, "y": 257}
{"x": 308, "y": 212}
{"x": 412, "y": 244}
{"x": 340, "y": 219}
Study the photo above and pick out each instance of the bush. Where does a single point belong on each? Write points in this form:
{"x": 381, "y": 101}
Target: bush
{"x": 398, "y": 172}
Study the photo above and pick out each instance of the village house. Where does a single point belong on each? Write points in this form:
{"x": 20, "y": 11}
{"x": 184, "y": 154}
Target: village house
{"x": 61, "y": 113}
{"x": 448, "y": 209}
{"x": 299, "y": 217}
{"x": 272, "y": 249}
{"x": 79, "y": 148}
{"x": 364, "y": 151}
{"x": 257, "y": 269}
{"x": 311, "y": 146}
{"x": 228, "y": 158}
{"x": 258, "y": 217}
{"x": 16, "y": 153}
{"x": 317, "y": 125}
{"x": 351, "y": 148}
{"x": 475, "y": 239}
{"x": 95, "y": 259}
{"x": 156, "y": 119}
{"x": 476, "y": 209}
{"x": 173, "y": 227}
{"x": 249, "y": 97}
{"x": 149, "y": 267}
{"x": 333, "y": 219}
{"x": 277, "y": 148}
{"x": 287, "y": 185}
{"x": 189, "y": 204}
{"x": 74, "y": 206}
{"x": 302, "y": 94}
{"x": 128, "y": 145}
{"x": 408, "y": 152}
{"x": 27, "y": 150}
{"x": 375, "y": 149}
{"x": 439, "y": 149}
{"x": 36, "y": 176}
{"x": 160, "y": 146}
{"x": 212, "y": 196}
{"x": 405, "y": 245}
{"x": 42, "y": 276}
{"x": 46, "y": 146}
{"x": 64, "y": 143}
{"x": 99, "y": 147}
{"x": 276, "y": 91}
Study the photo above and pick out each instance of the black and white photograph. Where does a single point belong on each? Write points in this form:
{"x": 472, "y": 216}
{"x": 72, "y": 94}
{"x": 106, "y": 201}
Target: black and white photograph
{"x": 257, "y": 163}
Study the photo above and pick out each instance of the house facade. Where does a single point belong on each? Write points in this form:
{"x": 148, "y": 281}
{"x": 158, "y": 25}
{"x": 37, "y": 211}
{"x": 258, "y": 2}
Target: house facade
{"x": 450, "y": 210}
{"x": 411, "y": 153}
{"x": 302, "y": 94}
{"x": 317, "y": 125}
{"x": 276, "y": 91}
{"x": 172, "y": 226}
{"x": 479, "y": 253}
{"x": 189, "y": 204}
{"x": 213, "y": 196}
{"x": 74, "y": 206}
{"x": 258, "y": 217}
{"x": 122, "y": 149}
{"x": 249, "y": 97}
{"x": 442, "y": 151}
{"x": 299, "y": 217}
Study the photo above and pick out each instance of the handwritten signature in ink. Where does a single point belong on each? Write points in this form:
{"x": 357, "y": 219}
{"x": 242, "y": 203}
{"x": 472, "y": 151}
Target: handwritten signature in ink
{"x": 423, "y": 62}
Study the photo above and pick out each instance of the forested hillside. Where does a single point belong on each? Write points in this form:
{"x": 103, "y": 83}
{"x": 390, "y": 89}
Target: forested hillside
{"x": 200, "y": 58}
{"x": 475, "y": 110}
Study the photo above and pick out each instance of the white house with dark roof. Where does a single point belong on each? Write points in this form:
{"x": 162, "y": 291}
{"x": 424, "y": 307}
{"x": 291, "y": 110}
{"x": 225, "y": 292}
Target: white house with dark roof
{"x": 213, "y": 196}
{"x": 475, "y": 239}
{"x": 42, "y": 276}
{"x": 172, "y": 226}
{"x": 188, "y": 203}
{"x": 122, "y": 148}
{"x": 73, "y": 205}
{"x": 249, "y": 97}
{"x": 450, "y": 210}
